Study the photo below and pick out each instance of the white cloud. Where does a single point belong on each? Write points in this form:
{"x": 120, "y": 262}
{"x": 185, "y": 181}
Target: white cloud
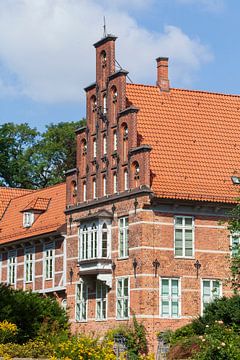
{"x": 47, "y": 46}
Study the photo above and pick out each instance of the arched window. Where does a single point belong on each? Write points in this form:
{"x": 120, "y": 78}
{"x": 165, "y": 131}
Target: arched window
{"x": 104, "y": 241}
{"x": 94, "y": 241}
{"x": 84, "y": 243}
{"x": 83, "y": 155}
{"x": 125, "y": 141}
{"x": 94, "y": 189}
{"x": 93, "y": 114}
{"x": 104, "y": 103}
{"x": 73, "y": 192}
{"x": 115, "y": 140}
{"x": 125, "y": 179}
{"x": 104, "y": 185}
{"x": 84, "y": 191}
{"x": 114, "y": 101}
{"x": 136, "y": 173}
{"x": 94, "y": 147}
{"x": 104, "y": 144}
{"x": 114, "y": 182}
{"x": 104, "y": 65}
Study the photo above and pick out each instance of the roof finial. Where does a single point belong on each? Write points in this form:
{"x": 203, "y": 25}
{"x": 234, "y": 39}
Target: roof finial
{"x": 104, "y": 27}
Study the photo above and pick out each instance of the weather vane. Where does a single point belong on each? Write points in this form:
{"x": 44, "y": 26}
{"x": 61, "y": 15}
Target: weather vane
{"x": 104, "y": 27}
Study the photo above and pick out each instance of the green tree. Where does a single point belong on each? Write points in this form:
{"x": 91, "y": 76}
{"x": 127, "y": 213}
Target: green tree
{"x": 234, "y": 228}
{"x": 31, "y": 160}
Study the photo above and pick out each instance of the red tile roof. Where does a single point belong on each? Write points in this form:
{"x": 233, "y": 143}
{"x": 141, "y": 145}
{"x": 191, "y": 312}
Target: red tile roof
{"x": 51, "y": 220}
{"x": 39, "y": 204}
{"x": 195, "y": 139}
{"x": 7, "y": 193}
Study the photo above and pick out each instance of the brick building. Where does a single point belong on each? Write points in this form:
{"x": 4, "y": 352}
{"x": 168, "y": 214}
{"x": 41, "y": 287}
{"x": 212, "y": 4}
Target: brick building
{"x": 155, "y": 174}
{"x": 33, "y": 239}
{"x": 157, "y": 170}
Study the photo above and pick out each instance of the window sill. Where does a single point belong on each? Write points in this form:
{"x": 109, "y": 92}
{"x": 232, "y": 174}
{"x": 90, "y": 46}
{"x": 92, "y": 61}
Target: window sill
{"x": 123, "y": 319}
{"x": 170, "y": 317}
{"x": 123, "y": 258}
{"x": 185, "y": 257}
{"x": 81, "y": 321}
{"x": 29, "y": 282}
{"x": 100, "y": 320}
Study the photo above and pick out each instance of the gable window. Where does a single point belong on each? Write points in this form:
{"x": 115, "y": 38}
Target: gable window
{"x": 123, "y": 237}
{"x": 28, "y": 265}
{"x": 170, "y": 298}
{"x": 211, "y": 290}
{"x": 12, "y": 267}
{"x": 104, "y": 103}
{"x": 28, "y": 218}
{"x": 81, "y": 301}
{"x": 235, "y": 243}
{"x": 123, "y": 298}
{"x": 125, "y": 141}
{"x": 101, "y": 301}
{"x": 49, "y": 261}
{"x": 184, "y": 236}
{"x": 94, "y": 189}
{"x": 84, "y": 191}
{"x": 94, "y": 147}
{"x": 125, "y": 179}
{"x": 104, "y": 145}
{"x": 104, "y": 185}
{"x": 115, "y": 140}
{"x": 114, "y": 182}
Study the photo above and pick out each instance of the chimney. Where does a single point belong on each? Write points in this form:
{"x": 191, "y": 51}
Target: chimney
{"x": 162, "y": 73}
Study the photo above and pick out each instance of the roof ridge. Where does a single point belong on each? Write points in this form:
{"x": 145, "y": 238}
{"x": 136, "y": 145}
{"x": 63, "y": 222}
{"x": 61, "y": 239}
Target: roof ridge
{"x": 38, "y": 190}
{"x": 189, "y": 90}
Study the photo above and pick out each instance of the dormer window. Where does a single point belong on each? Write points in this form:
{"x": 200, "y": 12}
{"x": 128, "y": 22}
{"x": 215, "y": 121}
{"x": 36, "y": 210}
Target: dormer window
{"x": 28, "y": 219}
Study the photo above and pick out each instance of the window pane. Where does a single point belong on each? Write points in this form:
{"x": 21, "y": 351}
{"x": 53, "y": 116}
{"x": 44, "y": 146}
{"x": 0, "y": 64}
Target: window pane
{"x": 125, "y": 287}
{"x": 179, "y": 220}
{"x": 178, "y": 235}
{"x": 165, "y": 308}
{"x": 206, "y": 288}
{"x": 119, "y": 288}
{"x": 188, "y": 221}
{"x": 119, "y": 308}
{"x": 175, "y": 308}
{"x": 125, "y": 308}
{"x": 165, "y": 287}
{"x": 216, "y": 289}
{"x": 174, "y": 287}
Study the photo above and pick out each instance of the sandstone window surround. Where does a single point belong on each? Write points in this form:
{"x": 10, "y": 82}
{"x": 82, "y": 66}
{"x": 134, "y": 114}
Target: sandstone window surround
{"x": 81, "y": 301}
{"x": 123, "y": 303}
{"x": 184, "y": 236}
{"x": 170, "y": 298}
{"x": 94, "y": 240}
{"x": 210, "y": 290}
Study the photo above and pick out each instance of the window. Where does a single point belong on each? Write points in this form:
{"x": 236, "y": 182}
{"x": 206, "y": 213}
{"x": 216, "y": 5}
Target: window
{"x": 104, "y": 104}
{"x": 94, "y": 148}
{"x": 49, "y": 261}
{"x": 136, "y": 173}
{"x": 28, "y": 218}
{"x": 125, "y": 179}
{"x": 115, "y": 140}
{"x": 104, "y": 241}
{"x": 101, "y": 301}
{"x": 170, "y": 298}
{"x": 81, "y": 301}
{"x": 184, "y": 236}
{"x": 94, "y": 241}
{"x": 93, "y": 248}
{"x": 123, "y": 237}
{"x": 125, "y": 141}
{"x": 211, "y": 290}
{"x": 84, "y": 191}
{"x": 123, "y": 298}
{"x": 12, "y": 267}
{"x": 94, "y": 189}
{"x": 104, "y": 145}
{"x": 104, "y": 185}
{"x": 28, "y": 264}
{"x": 114, "y": 182}
{"x": 235, "y": 243}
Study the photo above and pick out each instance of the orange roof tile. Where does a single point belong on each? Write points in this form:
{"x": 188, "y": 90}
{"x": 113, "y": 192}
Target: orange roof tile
{"x": 51, "y": 220}
{"x": 40, "y": 204}
{"x": 195, "y": 140}
{"x": 7, "y": 193}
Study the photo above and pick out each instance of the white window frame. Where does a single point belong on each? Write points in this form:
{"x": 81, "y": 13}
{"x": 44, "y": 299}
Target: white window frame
{"x": 28, "y": 219}
{"x": 81, "y": 302}
{"x": 115, "y": 140}
{"x": 84, "y": 191}
{"x": 85, "y": 239}
{"x": 123, "y": 250}
{"x": 101, "y": 300}
{"x": 104, "y": 144}
{"x": 29, "y": 264}
{"x": 184, "y": 228}
{"x": 212, "y": 297}
{"x": 104, "y": 103}
{"x": 49, "y": 258}
{"x": 114, "y": 183}
{"x": 125, "y": 179}
{"x": 122, "y": 298}
{"x": 104, "y": 185}
{"x": 235, "y": 235}
{"x": 169, "y": 298}
{"x": 94, "y": 147}
{"x": 12, "y": 268}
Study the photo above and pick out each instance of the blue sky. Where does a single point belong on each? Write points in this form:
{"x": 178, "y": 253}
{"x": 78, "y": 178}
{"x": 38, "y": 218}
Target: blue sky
{"x": 47, "y": 57}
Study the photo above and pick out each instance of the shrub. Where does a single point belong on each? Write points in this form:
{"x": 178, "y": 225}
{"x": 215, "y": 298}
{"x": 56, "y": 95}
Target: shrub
{"x": 8, "y": 332}
{"x": 30, "y": 312}
{"x": 32, "y": 349}
{"x": 135, "y": 336}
